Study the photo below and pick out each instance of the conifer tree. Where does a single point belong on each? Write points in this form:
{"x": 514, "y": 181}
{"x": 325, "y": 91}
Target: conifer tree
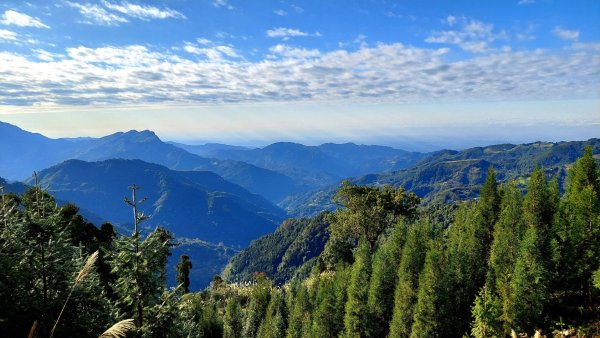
{"x": 300, "y": 319}
{"x": 465, "y": 268}
{"x": 579, "y": 239}
{"x": 427, "y": 321}
{"x": 257, "y": 308}
{"x": 275, "y": 322}
{"x": 504, "y": 252}
{"x": 537, "y": 210}
{"x": 411, "y": 264}
{"x": 356, "y": 309}
{"x": 232, "y": 320}
{"x": 489, "y": 205}
{"x": 383, "y": 281}
{"x": 486, "y": 315}
{"x": 529, "y": 285}
{"x": 183, "y": 272}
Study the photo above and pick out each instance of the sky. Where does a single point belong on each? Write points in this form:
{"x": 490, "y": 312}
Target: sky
{"x": 415, "y": 73}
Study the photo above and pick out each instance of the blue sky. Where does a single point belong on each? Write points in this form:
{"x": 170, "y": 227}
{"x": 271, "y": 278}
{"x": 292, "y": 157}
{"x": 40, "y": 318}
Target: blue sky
{"x": 438, "y": 73}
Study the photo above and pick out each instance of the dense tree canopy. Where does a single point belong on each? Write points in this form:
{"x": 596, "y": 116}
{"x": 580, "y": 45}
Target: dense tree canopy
{"x": 513, "y": 260}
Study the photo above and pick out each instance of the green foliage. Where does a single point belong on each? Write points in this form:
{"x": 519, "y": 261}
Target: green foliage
{"x": 429, "y": 310}
{"x": 291, "y": 249}
{"x": 504, "y": 252}
{"x": 369, "y": 211}
{"x": 486, "y": 314}
{"x": 183, "y": 272}
{"x": 257, "y": 309}
{"x": 504, "y": 262}
{"x": 275, "y": 323}
{"x": 39, "y": 264}
{"x": 331, "y": 299}
{"x": 383, "y": 281}
{"x": 356, "y": 310}
{"x": 529, "y": 285}
{"x": 596, "y": 279}
{"x": 141, "y": 277}
{"x": 578, "y": 229}
{"x": 300, "y": 315}
{"x": 489, "y": 207}
{"x": 466, "y": 249}
{"x": 411, "y": 263}
{"x": 232, "y": 321}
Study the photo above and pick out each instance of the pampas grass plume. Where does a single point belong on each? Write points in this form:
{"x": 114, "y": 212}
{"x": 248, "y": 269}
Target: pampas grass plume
{"x": 119, "y": 330}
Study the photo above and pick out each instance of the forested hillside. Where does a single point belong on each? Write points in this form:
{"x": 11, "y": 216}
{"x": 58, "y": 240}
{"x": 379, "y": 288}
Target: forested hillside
{"x": 449, "y": 175}
{"x": 507, "y": 263}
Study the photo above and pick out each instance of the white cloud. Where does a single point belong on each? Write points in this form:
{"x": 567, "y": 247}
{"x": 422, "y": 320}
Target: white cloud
{"x": 566, "y": 34}
{"x": 280, "y": 12}
{"x": 203, "y": 41}
{"x": 15, "y": 18}
{"x": 286, "y": 33}
{"x": 96, "y": 15}
{"x": 450, "y": 20}
{"x": 472, "y": 35}
{"x": 285, "y": 51}
{"x": 298, "y": 9}
{"x": 222, "y": 3}
{"x": 526, "y": 2}
{"x": 45, "y": 55}
{"x": 7, "y": 35}
{"x": 382, "y": 73}
{"x": 214, "y": 53}
{"x": 143, "y": 12}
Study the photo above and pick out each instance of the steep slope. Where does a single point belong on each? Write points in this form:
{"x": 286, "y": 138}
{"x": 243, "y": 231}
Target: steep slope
{"x": 456, "y": 175}
{"x": 292, "y": 249}
{"x": 190, "y": 204}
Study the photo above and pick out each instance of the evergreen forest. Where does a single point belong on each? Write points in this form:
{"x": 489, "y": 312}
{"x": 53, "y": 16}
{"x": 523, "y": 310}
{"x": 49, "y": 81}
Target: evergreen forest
{"x": 513, "y": 262}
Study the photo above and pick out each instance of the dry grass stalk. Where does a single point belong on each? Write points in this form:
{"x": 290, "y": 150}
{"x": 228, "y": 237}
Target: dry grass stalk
{"x": 119, "y": 330}
{"x": 87, "y": 267}
{"x": 33, "y": 330}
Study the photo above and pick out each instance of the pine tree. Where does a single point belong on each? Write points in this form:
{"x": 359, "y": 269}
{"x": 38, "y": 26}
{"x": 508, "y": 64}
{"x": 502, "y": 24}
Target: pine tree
{"x": 580, "y": 239}
{"x": 257, "y": 308}
{"x": 299, "y": 319}
{"x": 489, "y": 205}
{"x": 537, "y": 210}
{"x": 529, "y": 285}
{"x": 465, "y": 269}
{"x": 329, "y": 313}
{"x": 275, "y": 323}
{"x": 183, "y": 272}
{"x": 411, "y": 264}
{"x": 383, "y": 281}
{"x": 356, "y": 310}
{"x": 486, "y": 314}
{"x": 504, "y": 252}
{"x": 429, "y": 306}
{"x": 232, "y": 321}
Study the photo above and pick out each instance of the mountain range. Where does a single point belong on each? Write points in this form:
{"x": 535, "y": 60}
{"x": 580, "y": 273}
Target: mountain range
{"x": 218, "y": 198}
{"x": 194, "y": 204}
{"x": 449, "y": 175}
